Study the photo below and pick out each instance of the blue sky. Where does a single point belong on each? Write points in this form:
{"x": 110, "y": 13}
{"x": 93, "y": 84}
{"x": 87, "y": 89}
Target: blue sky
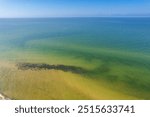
{"x": 73, "y": 8}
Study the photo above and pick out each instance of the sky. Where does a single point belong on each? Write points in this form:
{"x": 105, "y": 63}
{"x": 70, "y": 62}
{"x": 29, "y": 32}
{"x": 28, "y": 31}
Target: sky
{"x": 73, "y": 8}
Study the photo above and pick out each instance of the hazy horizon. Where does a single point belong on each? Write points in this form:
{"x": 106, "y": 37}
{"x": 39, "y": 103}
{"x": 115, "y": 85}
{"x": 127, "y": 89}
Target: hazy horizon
{"x": 74, "y": 8}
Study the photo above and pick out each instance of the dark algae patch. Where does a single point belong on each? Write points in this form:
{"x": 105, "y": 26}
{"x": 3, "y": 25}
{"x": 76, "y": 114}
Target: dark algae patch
{"x": 73, "y": 69}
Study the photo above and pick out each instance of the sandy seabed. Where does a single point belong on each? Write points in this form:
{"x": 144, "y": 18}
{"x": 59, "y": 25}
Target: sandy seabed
{"x": 53, "y": 85}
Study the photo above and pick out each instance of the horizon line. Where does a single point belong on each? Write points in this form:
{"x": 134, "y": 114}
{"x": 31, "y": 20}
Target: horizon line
{"x": 76, "y": 17}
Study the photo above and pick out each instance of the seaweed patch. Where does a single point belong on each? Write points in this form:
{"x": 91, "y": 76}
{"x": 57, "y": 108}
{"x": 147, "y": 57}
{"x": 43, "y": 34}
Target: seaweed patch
{"x": 65, "y": 68}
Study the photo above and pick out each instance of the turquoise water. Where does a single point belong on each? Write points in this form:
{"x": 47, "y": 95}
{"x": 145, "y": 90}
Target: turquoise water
{"x": 118, "y": 49}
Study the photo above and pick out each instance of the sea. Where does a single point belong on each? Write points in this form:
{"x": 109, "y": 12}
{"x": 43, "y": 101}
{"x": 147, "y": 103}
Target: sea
{"x": 113, "y": 49}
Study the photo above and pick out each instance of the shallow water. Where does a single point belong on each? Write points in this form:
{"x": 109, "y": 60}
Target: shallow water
{"x": 114, "y": 52}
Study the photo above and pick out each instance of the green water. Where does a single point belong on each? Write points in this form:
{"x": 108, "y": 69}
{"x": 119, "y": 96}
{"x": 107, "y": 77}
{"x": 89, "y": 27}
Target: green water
{"x": 113, "y": 50}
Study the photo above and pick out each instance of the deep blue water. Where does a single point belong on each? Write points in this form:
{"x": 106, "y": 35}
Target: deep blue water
{"x": 129, "y": 34}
